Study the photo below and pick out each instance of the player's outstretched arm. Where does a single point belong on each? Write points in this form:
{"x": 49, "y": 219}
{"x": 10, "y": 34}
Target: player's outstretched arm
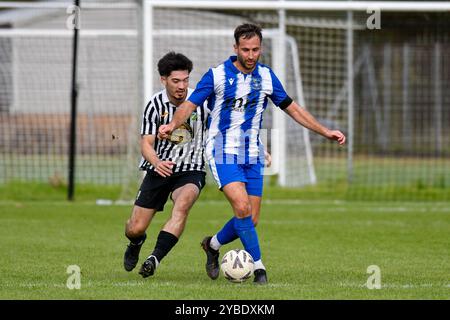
{"x": 303, "y": 117}
{"x": 183, "y": 112}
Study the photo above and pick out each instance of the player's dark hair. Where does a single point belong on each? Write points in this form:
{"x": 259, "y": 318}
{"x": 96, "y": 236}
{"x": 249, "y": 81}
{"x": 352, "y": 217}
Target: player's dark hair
{"x": 247, "y": 31}
{"x": 173, "y": 62}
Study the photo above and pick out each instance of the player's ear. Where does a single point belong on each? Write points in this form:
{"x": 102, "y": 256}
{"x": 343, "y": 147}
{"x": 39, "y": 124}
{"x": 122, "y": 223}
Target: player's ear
{"x": 163, "y": 81}
{"x": 235, "y": 46}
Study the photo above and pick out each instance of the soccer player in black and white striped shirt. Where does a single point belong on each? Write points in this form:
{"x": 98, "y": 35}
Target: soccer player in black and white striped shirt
{"x": 174, "y": 167}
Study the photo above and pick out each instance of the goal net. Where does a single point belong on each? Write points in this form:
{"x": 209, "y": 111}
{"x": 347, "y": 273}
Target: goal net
{"x": 35, "y": 88}
{"x": 382, "y": 82}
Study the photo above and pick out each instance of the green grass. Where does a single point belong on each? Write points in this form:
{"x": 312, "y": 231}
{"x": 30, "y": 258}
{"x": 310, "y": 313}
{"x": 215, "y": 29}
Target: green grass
{"x": 374, "y": 178}
{"x": 36, "y": 191}
{"x": 312, "y": 250}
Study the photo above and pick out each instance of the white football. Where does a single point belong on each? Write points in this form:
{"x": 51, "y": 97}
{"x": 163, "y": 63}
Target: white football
{"x": 237, "y": 265}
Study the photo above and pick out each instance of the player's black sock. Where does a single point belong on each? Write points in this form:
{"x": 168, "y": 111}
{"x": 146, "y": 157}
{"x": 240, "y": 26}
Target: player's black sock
{"x": 164, "y": 244}
{"x": 137, "y": 240}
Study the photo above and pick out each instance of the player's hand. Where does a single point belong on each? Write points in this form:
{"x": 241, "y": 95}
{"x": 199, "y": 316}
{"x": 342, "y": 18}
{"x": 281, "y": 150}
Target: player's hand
{"x": 268, "y": 159}
{"x": 164, "y": 168}
{"x": 336, "y": 135}
{"x": 164, "y": 131}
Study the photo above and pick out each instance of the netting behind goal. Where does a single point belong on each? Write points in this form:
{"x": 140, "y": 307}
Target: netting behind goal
{"x": 384, "y": 89}
{"x": 396, "y": 122}
{"x": 35, "y": 83}
{"x": 400, "y": 138}
{"x": 402, "y": 142}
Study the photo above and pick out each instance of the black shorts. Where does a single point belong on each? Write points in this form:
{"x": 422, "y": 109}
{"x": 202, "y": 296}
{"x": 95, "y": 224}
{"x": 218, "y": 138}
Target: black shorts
{"x": 155, "y": 190}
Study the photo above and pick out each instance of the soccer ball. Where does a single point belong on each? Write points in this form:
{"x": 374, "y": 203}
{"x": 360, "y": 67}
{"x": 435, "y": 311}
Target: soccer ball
{"x": 237, "y": 265}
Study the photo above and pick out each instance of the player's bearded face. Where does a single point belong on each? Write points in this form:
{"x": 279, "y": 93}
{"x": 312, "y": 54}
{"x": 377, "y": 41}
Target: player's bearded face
{"x": 176, "y": 85}
{"x": 248, "y": 52}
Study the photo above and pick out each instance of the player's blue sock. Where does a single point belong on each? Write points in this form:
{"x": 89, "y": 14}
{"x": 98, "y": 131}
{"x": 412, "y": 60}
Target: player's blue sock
{"x": 249, "y": 238}
{"x": 227, "y": 234}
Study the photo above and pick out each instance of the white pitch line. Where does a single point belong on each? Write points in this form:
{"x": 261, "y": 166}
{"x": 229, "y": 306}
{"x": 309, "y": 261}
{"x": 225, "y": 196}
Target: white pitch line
{"x": 171, "y": 284}
{"x": 394, "y": 286}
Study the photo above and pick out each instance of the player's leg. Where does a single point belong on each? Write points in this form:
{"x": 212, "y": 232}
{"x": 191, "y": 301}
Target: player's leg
{"x": 138, "y": 223}
{"x": 227, "y": 234}
{"x": 254, "y": 175}
{"x": 186, "y": 191}
{"x": 255, "y": 204}
{"x": 135, "y": 231}
{"x": 236, "y": 193}
{"x": 183, "y": 198}
{"x": 151, "y": 198}
{"x": 223, "y": 174}
{"x": 260, "y": 271}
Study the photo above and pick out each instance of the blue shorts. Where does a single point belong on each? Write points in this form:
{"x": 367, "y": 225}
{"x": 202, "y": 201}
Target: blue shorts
{"x": 250, "y": 174}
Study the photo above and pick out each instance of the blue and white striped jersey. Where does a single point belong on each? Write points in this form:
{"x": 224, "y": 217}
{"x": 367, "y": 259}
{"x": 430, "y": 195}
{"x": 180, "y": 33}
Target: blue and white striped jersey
{"x": 236, "y": 102}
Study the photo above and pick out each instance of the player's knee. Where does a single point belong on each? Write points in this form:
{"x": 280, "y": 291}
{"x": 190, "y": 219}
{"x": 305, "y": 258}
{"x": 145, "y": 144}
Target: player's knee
{"x": 134, "y": 233}
{"x": 242, "y": 208}
{"x": 134, "y": 230}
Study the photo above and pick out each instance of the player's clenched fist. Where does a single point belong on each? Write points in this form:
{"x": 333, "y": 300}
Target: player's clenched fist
{"x": 164, "y": 131}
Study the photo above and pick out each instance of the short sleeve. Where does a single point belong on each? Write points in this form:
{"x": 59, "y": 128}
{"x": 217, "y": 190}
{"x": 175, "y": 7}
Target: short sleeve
{"x": 279, "y": 96}
{"x": 204, "y": 89}
{"x": 149, "y": 120}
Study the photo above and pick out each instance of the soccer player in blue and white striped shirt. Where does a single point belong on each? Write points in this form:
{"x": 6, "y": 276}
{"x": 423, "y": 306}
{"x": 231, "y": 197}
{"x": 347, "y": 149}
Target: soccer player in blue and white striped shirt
{"x": 237, "y": 92}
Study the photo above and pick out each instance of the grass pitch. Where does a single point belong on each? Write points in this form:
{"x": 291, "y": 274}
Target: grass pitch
{"x": 312, "y": 250}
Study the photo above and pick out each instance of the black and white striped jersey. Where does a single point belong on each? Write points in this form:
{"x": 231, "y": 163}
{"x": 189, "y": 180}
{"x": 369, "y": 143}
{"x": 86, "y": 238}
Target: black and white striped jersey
{"x": 189, "y": 156}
